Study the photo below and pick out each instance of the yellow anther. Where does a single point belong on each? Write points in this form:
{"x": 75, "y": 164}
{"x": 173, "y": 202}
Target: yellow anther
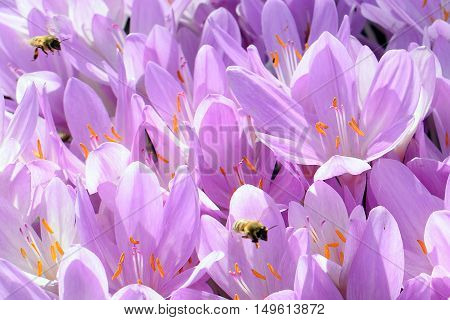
{"x": 46, "y": 226}
{"x": 445, "y": 14}
{"x": 236, "y": 268}
{"x": 334, "y": 103}
{"x": 39, "y": 268}
{"x": 326, "y": 251}
{"x": 333, "y": 244}
{"x": 152, "y": 262}
{"x": 92, "y": 132}
{"x": 306, "y": 46}
{"x": 298, "y": 54}
{"x": 53, "y": 253}
{"x": 84, "y": 149}
{"x": 117, "y": 272}
{"x": 58, "y": 247}
{"x": 160, "y": 157}
{"x": 178, "y": 103}
{"x": 222, "y": 171}
{"x": 321, "y": 127}
{"x": 354, "y": 125}
{"x": 35, "y": 248}
{"x": 122, "y": 258}
{"x": 258, "y": 275}
{"x": 280, "y": 41}
{"x": 133, "y": 241}
{"x": 337, "y": 142}
{"x": 275, "y": 59}
{"x": 423, "y": 247}
{"x": 424, "y": 3}
{"x": 116, "y": 134}
{"x": 176, "y": 129}
{"x": 23, "y": 252}
{"x": 236, "y": 297}
{"x": 238, "y": 175}
{"x": 108, "y": 138}
{"x": 447, "y": 140}
{"x": 180, "y": 76}
{"x": 341, "y": 258}
{"x": 340, "y": 235}
{"x": 273, "y": 271}
{"x": 139, "y": 281}
{"x": 39, "y": 154}
{"x": 119, "y": 47}
{"x": 260, "y": 183}
{"x": 249, "y": 164}
{"x": 159, "y": 267}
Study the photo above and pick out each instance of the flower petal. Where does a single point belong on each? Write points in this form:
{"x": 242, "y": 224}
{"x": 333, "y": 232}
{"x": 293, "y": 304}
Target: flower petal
{"x": 437, "y": 238}
{"x": 136, "y": 292}
{"x": 338, "y": 165}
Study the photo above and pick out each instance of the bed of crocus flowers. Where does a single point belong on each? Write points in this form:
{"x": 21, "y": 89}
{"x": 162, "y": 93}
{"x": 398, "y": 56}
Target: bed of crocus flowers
{"x": 128, "y": 157}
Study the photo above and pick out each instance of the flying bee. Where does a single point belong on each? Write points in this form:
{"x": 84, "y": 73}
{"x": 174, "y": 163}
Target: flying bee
{"x": 251, "y": 229}
{"x": 48, "y": 42}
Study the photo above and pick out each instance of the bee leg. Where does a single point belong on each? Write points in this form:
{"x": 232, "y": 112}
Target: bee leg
{"x": 43, "y": 50}
{"x": 51, "y": 50}
{"x": 244, "y": 237}
{"x": 257, "y": 245}
{"x": 36, "y": 54}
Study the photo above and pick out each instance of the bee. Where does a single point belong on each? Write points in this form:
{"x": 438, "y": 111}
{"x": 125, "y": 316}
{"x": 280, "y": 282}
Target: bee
{"x": 48, "y": 42}
{"x": 251, "y": 229}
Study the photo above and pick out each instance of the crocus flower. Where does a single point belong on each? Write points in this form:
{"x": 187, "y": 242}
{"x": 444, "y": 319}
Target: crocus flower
{"x": 248, "y": 272}
{"x": 325, "y": 123}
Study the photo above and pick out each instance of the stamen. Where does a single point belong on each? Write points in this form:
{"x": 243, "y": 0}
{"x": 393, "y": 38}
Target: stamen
{"x": 117, "y": 272}
{"x": 447, "y": 140}
{"x": 222, "y": 171}
{"x": 175, "y": 124}
{"x": 23, "y": 252}
{"x": 236, "y": 297}
{"x": 298, "y": 54}
{"x": 180, "y": 76}
{"x": 139, "y": 281}
{"x": 190, "y": 260}
{"x": 273, "y": 271}
{"x": 424, "y": 3}
{"x": 260, "y": 183}
{"x": 92, "y": 132}
{"x": 340, "y": 235}
{"x": 354, "y": 125}
{"x": 34, "y": 248}
{"x": 84, "y": 149}
{"x": 235, "y": 168}
{"x": 280, "y": 41}
{"x": 249, "y": 164}
{"x": 46, "y": 226}
{"x": 115, "y": 134}
{"x": 423, "y": 247}
{"x": 58, "y": 247}
{"x": 133, "y": 241}
{"x": 107, "y": 137}
{"x": 152, "y": 262}
{"x": 320, "y": 128}
{"x": 53, "y": 253}
{"x": 306, "y": 46}
{"x": 326, "y": 252}
{"x": 119, "y": 47}
{"x": 160, "y": 268}
{"x": 39, "y": 268}
{"x": 445, "y": 14}
{"x": 275, "y": 59}
{"x": 160, "y": 157}
{"x": 341, "y": 258}
{"x": 314, "y": 235}
{"x": 338, "y": 142}
{"x": 236, "y": 268}
{"x": 39, "y": 154}
{"x": 258, "y": 275}
{"x": 122, "y": 258}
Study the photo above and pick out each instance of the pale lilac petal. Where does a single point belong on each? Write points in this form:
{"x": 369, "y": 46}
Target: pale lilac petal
{"x": 325, "y": 18}
{"x": 15, "y": 285}
{"x": 282, "y": 295}
{"x": 136, "y": 292}
{"x": 81, "y": 276}
{"x": 377, "y": 267}
{"x": 437, "y": 238}
{"x": 399, "y": 191}
{"x": 440, "y": 283}
{"x": 146, "y": 14}
{"x": 162, "y": 48}
{"x": 338, "y": 165}
{"x": 105, "y": 164}
{"x": 417, "y": 288}
{"x": 433, "y": 174}
{"x": 209, "y": 74}
{"x": 312, "y": 283}
{"x": 191, "y": 294}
